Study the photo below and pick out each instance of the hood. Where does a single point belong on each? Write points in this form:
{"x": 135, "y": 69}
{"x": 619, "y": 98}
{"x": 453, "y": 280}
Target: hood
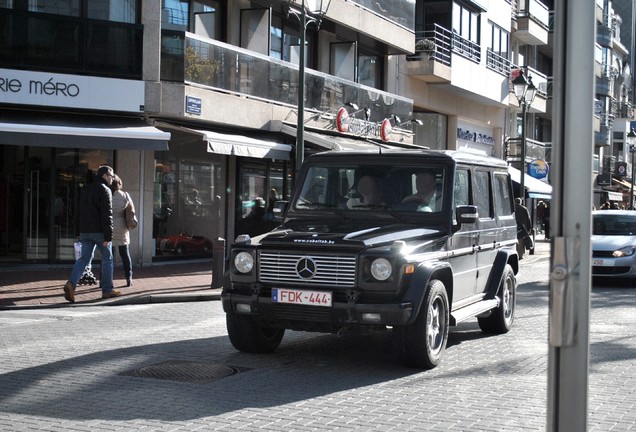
{"x": 363, "y": 237}
{"x": 610, "y": 243}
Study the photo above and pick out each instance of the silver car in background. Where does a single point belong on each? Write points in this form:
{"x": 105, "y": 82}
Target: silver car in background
{"x": 614, "y": 246}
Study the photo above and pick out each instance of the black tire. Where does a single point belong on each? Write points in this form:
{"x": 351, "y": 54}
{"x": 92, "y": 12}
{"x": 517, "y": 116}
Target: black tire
{"x": 248, "y": 336}
{"x": 422, "y": 344}
{"x": 180, "y": 249}
{"x": 501, "y": 319}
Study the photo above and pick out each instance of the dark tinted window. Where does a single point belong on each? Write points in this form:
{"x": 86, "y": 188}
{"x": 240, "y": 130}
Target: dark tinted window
{"x": 482, "y": 194}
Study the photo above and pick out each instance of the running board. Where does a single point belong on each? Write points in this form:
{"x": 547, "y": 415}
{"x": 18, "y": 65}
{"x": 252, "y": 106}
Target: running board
{"x": 473, "y": 310}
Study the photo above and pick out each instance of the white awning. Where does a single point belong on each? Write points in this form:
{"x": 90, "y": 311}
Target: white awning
{"x": 237, "y": 145}
{"x": 534, "y": 188}
{"x": 112, "y": 134}
{"x": 614, "y": 196}
{"x": 329, "y": 142}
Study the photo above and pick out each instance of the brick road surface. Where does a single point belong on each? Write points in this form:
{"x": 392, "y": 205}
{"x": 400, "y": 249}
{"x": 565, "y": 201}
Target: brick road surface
{"x": 28, "y": 286}
{"x": 71, "y": 368}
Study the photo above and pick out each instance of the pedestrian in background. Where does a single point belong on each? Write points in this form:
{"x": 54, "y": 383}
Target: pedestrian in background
{"x": 95, "y": 231}
{"x": 524, "y": 224}
{"x": 546, "y": 221}
{"x": 121, "y": 234}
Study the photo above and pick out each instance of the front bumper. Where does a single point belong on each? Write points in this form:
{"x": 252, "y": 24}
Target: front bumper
{"x": 340, "y": 314}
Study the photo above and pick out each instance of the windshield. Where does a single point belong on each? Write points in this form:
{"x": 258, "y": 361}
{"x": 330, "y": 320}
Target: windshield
{"x": 359, "y": 188}
{"x": 614, "y": 225}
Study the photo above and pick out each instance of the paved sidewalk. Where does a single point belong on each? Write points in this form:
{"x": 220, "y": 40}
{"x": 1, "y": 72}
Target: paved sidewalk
{"x": 28, "y": 286}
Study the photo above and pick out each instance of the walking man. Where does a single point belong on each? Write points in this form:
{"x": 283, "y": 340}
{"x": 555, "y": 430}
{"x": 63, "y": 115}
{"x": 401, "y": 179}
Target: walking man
{"x": 96, "y": 231}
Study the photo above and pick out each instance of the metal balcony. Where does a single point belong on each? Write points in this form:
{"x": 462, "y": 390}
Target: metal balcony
{"x": 217, "y": 66}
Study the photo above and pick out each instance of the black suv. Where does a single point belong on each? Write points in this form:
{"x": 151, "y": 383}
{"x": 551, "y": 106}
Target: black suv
{"x": 413, "y": 240}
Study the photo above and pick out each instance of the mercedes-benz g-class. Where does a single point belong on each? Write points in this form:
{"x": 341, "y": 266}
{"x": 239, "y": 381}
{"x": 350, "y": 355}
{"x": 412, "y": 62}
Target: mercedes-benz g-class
{"x": 416, "y": 241}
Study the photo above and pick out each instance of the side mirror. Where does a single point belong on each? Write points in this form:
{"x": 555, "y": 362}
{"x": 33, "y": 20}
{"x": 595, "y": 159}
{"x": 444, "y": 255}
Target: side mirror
{"x": 466, "y": 214}
{"x": 279, "y": 210}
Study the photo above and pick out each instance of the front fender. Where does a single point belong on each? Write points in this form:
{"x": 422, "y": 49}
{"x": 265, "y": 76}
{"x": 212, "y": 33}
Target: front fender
{"x": 417, "y": 286}
{"x": 504, "y": 256}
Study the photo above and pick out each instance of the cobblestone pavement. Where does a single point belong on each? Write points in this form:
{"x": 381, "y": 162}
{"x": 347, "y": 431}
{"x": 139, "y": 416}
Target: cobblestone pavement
{"x": 84, "y": 369}
{"x": 29, "y": 287}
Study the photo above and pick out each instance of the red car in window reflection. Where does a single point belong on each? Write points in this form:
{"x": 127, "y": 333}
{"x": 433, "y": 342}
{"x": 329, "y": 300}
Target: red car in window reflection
{"x": 184, "y": 243}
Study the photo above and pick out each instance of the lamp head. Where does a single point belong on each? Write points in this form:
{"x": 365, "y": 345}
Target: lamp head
{"x": 519, "y": 85}
{"x": 631, "y": 139}
{"x": 317, "y": 7}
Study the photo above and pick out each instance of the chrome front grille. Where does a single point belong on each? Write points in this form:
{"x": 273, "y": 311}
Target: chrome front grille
{"x": 334, "y": 270}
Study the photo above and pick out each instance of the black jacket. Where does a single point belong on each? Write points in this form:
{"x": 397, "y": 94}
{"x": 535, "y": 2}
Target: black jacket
{"x": 96, "y": 209}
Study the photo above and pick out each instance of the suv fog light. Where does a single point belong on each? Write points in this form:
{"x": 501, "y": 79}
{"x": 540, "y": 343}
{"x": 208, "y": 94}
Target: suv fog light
{"x": 371, "y": 317}
{"x": 381, "y": 269}
{"x": 244, "y": 262}
{"x": 243, "y": 308}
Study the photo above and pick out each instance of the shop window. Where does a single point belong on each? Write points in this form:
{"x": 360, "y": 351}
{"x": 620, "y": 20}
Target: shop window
{"x": 261, "y": 185}
{"x": 186, "y": 207}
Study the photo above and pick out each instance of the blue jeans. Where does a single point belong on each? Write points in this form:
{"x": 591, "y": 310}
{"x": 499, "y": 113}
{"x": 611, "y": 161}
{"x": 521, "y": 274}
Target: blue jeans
{"x": 89, "y": 242}
{"x": 124, "y": 253}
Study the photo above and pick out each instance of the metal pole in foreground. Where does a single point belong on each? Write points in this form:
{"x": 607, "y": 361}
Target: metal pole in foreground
{"x": 571, "y": 219}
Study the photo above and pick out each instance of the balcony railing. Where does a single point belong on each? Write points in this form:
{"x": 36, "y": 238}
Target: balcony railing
{"x": 534, "y": 149}
{"x": 622, "y": 110}
{"x": 64, "y": 44}
{"x": 498, "y": 63}
{"x": 437, "y": 43}
{"x": 188, "y": 58}
{"x": 466, "y": 48}
{"x": 433, "y": 44}
{"x": 401, "y": 12}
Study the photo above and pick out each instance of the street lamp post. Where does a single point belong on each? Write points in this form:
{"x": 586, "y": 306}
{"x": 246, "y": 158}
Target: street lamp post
{"x": 525, "y": 92}
{"x": 631, "y": 141}
{"x": 309, "y": 11}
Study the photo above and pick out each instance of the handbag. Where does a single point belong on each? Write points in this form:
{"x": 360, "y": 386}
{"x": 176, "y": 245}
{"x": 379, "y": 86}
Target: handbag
{"x": 526, "y": 238}
{"x": 129, "y": 211}
{"x": 78, "y": 249}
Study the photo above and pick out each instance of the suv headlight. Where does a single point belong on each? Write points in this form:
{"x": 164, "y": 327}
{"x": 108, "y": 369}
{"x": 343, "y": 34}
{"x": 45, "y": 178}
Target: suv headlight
{"x": 381, "y": 269}
{"x": 623, "y": 252}
{"x": 244, "y": 262}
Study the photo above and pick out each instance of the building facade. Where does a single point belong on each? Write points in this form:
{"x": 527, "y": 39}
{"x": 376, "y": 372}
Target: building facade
{"x": 194, "y": 103}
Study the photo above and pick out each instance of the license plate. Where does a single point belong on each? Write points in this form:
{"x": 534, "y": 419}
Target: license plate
{"x": 602, "y": 263}
{"x": 301, "y": 297}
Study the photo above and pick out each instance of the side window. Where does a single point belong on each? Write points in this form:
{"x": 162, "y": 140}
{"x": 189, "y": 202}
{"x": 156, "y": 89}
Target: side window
{"x": 482, "y": 194}
{"x": 503, "y": 196}
{"x": 314, "y": 189}
{"x": 462, "y": 188}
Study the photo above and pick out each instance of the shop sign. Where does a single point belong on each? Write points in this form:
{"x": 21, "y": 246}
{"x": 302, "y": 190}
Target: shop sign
{"x": 468, "y": 135}
{"x": 193, "y": 105}
{"x": 348, "y": 124}
{"x": 538, "y": 169}
{"x": 620, "y": 169}
{"x": 71, "y": 91}
{"x": 604, "y": 179}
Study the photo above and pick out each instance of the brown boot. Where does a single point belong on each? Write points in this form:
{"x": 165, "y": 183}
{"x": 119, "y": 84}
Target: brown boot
{"x": 111, "y": 294}
{"x": 69, "y": 292}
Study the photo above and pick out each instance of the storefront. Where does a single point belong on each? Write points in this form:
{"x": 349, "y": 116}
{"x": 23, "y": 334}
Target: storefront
{"x": 50, "y": 148}
{"x": 215, "y": 183}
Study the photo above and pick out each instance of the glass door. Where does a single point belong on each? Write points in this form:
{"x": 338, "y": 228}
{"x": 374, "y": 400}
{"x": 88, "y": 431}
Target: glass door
{"x": 37, "y": 197}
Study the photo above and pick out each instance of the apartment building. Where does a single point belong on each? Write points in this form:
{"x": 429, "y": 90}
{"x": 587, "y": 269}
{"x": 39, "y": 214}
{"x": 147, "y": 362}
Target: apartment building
{"x": 194, "y": 103}
{"x": 467, "y": 54}
{"x": 614, "y": 109}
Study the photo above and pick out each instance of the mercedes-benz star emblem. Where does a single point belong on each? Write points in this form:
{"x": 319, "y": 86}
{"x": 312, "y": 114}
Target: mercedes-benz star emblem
{"x": 306, "y": 268}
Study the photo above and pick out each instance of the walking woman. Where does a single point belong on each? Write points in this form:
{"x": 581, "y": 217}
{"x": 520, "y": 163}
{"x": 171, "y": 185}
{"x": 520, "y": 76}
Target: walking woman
{"x": 121, "y": 234}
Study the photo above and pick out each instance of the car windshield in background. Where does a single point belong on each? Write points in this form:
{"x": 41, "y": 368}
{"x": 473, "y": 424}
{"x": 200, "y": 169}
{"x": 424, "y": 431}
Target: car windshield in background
{"x": 373, "y": 187}
{"x": 614, "y": 225}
